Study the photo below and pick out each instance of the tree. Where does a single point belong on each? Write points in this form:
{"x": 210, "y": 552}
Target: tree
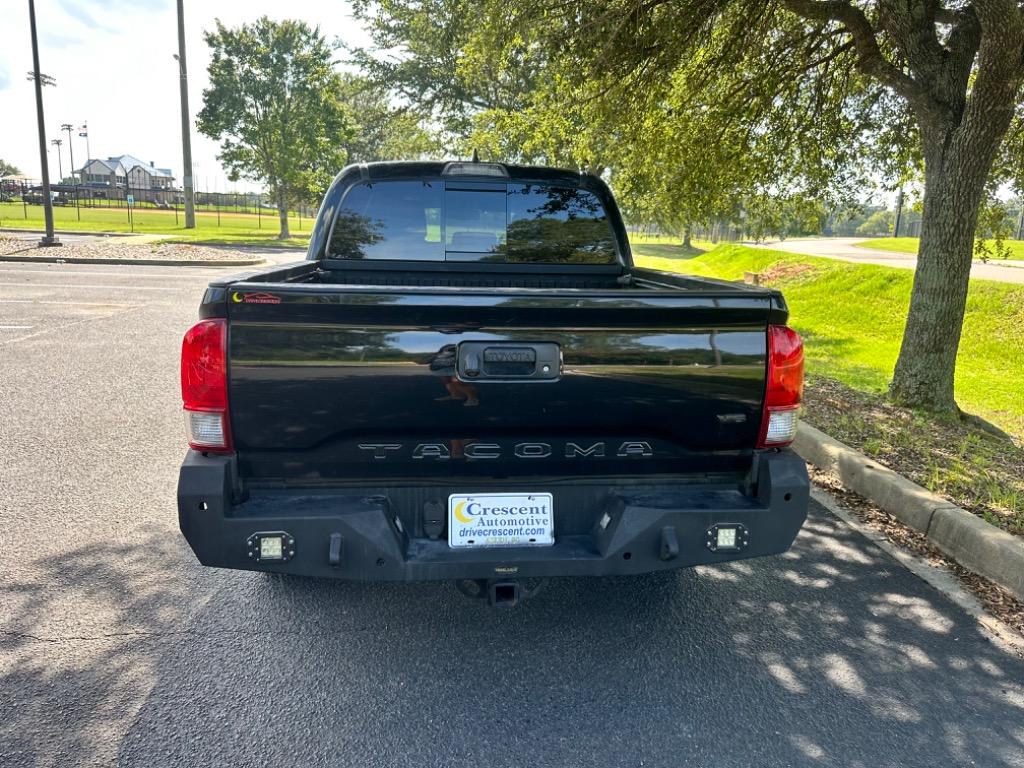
{"x": 274, "y": 104}
{"x": 382, "y": 130}
{"x": 8, "y": 169}
{"x": 418, "y": 53}
{"x": 941, "y": 78}
{"x": 878, "y": 223}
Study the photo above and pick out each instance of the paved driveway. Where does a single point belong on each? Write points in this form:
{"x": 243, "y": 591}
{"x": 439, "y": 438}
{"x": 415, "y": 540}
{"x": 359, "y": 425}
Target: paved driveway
{"x": 845, "y": 249}
{"x": 117, "y": 649}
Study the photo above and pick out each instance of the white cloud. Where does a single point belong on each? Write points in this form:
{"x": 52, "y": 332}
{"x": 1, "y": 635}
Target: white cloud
{"x": 112, "y": 60}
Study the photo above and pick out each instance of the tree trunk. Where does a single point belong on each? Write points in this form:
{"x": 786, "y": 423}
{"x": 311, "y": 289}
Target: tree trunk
{"x": 688, "y": 237}
{"x": 282, "y": 212}
{"x": 961, "y": 131}
{"x": 954, "y": 186}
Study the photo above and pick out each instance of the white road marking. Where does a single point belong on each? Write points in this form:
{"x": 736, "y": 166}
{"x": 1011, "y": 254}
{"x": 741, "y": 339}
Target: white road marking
{"x": 16, "y": 327}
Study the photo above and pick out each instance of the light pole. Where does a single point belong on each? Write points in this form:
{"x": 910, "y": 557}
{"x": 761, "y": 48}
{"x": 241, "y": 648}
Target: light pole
{"x": 58, "y": 143}
{"x": 71, "y": 148}
{"x": 83, "y": 133}
{"x": 186, "y": 130}
{"x": 49, "y": 239}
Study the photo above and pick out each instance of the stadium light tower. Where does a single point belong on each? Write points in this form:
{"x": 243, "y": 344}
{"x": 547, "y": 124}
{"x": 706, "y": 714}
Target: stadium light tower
{"x": 60, "y": 168}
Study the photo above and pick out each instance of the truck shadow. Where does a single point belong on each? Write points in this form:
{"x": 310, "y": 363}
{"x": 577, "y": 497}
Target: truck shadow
{"x": 831, "y": 654}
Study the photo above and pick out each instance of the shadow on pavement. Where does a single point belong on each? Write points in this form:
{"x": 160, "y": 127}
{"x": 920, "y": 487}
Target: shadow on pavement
{"x": 830, "y": 655}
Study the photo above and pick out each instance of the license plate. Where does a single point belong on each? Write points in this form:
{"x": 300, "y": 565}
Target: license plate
{"x": 500, "y": 520}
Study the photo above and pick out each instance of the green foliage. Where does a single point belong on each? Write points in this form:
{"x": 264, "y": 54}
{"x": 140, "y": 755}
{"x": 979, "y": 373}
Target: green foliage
{"x": 698, "y": 109}
{"x": 8, "y": 169}
{"x": 274, "y": 104}
{"x": 994, "y": 228}
{"x": 419, "y": 53}
{"x": 692, "y": 141}
{"x": 695, "y": 111}
{"x": 766, "y": 216}
{"x": 382, "y": 130}
{"x": 878, "y": 223}
{"x": 846, "y": 221}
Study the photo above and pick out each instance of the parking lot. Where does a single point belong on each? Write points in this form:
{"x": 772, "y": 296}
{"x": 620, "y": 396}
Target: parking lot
{"x": 117, "y": 648}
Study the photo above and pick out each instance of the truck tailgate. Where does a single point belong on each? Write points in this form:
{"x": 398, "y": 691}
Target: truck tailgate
{"x": 336, "y": 383}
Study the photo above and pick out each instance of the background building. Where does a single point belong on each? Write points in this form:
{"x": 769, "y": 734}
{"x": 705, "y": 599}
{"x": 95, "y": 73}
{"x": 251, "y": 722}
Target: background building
{"x": 125, "y": 174}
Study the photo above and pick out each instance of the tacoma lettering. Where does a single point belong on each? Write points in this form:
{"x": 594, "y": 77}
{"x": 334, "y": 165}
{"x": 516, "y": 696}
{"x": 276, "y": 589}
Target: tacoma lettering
{"x": 525, "y": 450}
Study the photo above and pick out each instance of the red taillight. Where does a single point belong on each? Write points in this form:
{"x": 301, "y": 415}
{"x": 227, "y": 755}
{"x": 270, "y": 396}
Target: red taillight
{"x": 784, "y": 387}
{"x": 204, "y": 386}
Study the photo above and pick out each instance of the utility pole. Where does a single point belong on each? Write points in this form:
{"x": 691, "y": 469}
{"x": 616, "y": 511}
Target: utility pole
{"x": 186, "y": 128}
{"x": 60, "y": 168}
{"x": 899, "y": 213}
{"x": 49, "y": 239}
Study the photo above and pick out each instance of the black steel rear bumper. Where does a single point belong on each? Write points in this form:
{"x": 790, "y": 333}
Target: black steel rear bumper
{"x": 603, "y": 526}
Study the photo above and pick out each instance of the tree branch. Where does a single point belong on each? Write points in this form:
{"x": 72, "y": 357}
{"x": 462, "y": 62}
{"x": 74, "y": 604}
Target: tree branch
{"x": 1001, "y": 18}
{"x": 962, "y": 47}
{"x": 997, "y": 84}
{"x": 870, "y": 59}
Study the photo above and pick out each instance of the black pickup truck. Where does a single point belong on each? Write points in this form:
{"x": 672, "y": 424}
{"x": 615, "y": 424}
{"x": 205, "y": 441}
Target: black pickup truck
{"x": 469, "y": 379}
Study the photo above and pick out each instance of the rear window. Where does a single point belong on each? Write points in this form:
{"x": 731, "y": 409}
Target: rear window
{"x": 470, "y": 221}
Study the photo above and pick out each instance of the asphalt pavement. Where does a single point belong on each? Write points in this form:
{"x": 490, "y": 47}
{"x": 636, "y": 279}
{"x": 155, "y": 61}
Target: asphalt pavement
{"x": 846, "y": 249}
{"x": 118, "y": 649}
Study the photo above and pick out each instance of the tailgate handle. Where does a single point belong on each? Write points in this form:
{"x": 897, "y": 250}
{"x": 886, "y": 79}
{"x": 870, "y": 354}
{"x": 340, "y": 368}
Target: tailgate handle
{"x": 540, "y": 361}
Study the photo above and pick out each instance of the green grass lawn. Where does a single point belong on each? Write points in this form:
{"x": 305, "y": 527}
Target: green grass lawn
{"x": 233, "y": 228}
{"x": 909, "y": 245}
{"x": 852, "y": 317}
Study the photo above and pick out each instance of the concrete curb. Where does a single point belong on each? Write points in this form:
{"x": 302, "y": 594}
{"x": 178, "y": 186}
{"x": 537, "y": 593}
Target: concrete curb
{"x": 143, "y": 262}
{"x": 966, "y": 538}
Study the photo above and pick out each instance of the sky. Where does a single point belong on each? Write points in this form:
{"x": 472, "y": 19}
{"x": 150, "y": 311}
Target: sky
{"x": 114, "y": 67}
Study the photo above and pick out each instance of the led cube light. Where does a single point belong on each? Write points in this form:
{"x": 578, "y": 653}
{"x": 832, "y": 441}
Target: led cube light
{"x": 727, "y": 537}
{"x": 270, "y": 547}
